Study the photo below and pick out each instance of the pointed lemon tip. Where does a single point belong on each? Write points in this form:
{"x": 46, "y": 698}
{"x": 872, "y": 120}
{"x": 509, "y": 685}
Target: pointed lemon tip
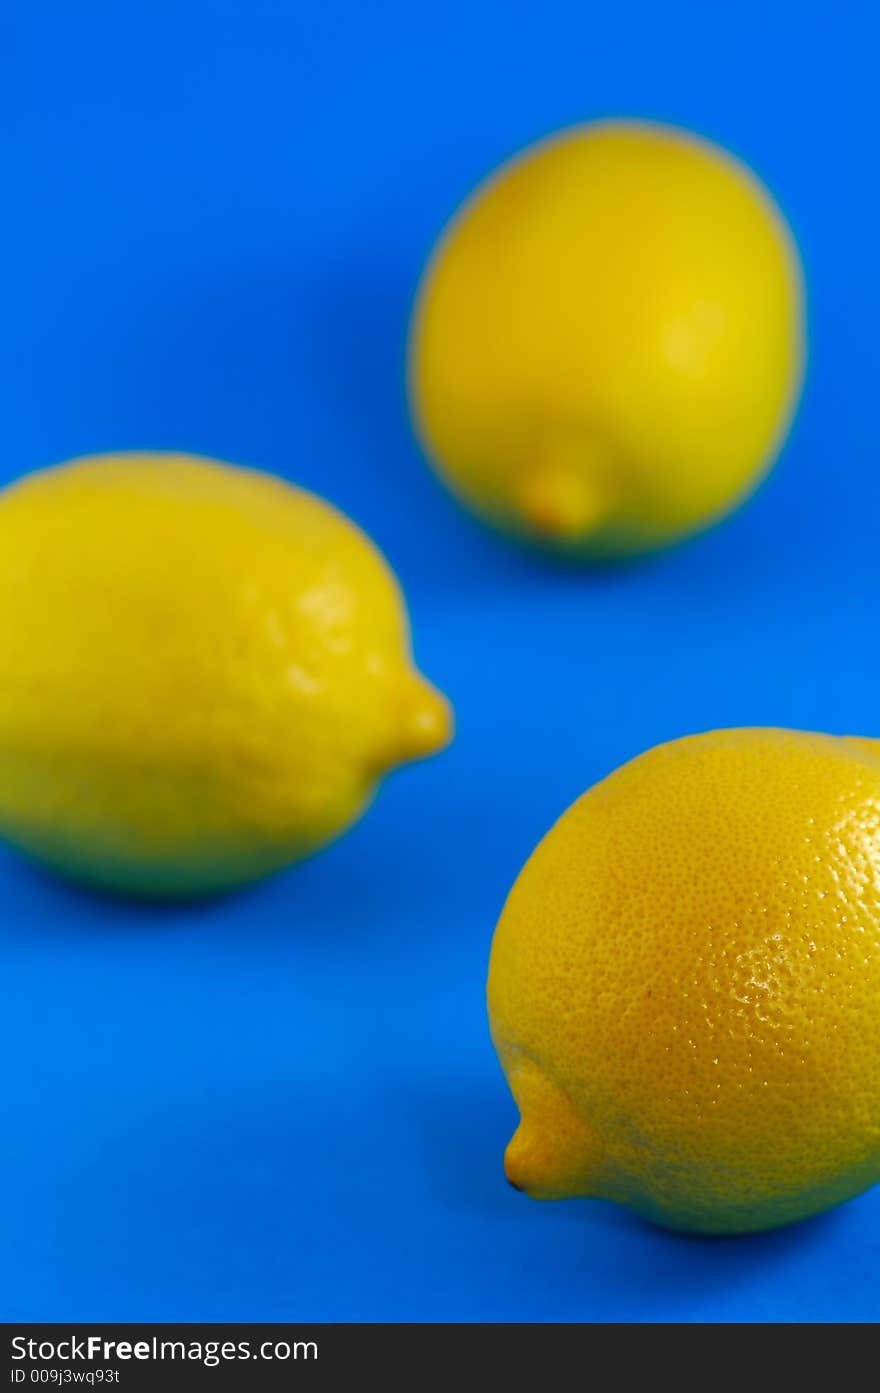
{"x": 531, "y": 1166}
{"x": 548, "y": 1167}
{"x": 428, "y": 722}
{"x": 519, "y": 1162}
{"x": 558, "y": 499}
{"x": 554, "y": 1152}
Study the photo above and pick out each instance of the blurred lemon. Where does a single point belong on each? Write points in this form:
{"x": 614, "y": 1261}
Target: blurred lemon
{"x": 608, "y": 343}
{"x": 203, "y": 673}
{"x": 685, "y": 985}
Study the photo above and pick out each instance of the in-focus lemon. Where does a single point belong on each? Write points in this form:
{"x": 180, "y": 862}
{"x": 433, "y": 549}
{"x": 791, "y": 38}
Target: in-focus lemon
{"x": 608, "y": 342}
{"x": 204, "y": 672}
{"x": 685, "y": 985}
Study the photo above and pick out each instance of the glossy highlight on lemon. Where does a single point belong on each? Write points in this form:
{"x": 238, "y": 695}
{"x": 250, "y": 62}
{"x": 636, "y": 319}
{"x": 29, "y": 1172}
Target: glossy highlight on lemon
{"x": 204, "y": 673}
{"x": 684, "y": 988}
{"x": 608, "y": 343}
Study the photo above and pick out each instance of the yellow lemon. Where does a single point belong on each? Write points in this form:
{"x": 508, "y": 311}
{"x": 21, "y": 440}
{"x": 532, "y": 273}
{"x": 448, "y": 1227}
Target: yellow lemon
{"x": 608, "y": 345}
{"x": 203, "y": 673}
{"x": 685, "y": 985}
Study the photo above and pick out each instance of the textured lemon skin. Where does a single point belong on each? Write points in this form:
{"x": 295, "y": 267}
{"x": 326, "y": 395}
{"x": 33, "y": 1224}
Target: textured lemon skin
{"x": 203, "y": 673}
{"x": 684, "y": 988}
{"x": 608, "y": 342}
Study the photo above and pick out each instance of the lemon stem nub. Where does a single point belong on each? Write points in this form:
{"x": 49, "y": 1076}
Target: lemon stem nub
{"x": 553, "y": 1153}
{"x": 561, "y": 493}
{"x": 427, "y": 722}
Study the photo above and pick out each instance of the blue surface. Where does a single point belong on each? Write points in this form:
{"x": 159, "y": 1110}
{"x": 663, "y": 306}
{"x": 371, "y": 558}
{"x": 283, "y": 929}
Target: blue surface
{"x": 285, "y": 1105}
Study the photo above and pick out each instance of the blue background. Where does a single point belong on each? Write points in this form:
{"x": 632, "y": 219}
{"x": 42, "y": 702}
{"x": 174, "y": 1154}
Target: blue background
{"x": 286, "y": 1105}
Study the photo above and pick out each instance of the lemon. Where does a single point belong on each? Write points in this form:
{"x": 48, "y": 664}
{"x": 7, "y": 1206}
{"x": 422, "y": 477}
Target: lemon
{"x": 685, "y": 985}
{"x": 203, "y": 673}
{"x": 608, "y": 343}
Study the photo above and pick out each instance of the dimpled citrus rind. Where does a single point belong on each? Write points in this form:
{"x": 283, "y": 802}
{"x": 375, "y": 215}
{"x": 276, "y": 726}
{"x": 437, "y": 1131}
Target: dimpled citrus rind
{"x": 592, "y": 389}
{"x": 203, "y": 673}
{"x": 685, "y": 984}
